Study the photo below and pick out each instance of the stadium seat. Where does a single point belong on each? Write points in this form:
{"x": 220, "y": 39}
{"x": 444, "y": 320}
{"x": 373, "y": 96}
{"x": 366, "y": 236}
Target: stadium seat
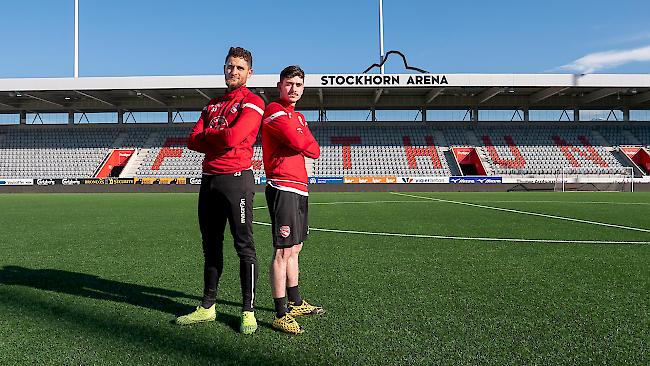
{"x": 383, "y": 150}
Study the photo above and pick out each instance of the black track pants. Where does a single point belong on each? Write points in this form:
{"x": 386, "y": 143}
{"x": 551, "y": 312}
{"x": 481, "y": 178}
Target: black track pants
{"x": 228, "y": 197}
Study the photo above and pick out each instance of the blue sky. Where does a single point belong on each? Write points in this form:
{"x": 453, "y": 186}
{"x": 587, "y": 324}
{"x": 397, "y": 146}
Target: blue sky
{"x": 146, "y": 37}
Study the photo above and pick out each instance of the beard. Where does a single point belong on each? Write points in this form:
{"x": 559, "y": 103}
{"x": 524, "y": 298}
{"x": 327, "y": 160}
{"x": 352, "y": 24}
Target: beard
{"x": 233, "y": 84}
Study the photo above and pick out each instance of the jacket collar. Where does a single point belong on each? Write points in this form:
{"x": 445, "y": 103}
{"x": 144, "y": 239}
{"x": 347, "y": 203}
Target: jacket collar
{"x": 286, "y": 104}
{"x": 237, "y": 92}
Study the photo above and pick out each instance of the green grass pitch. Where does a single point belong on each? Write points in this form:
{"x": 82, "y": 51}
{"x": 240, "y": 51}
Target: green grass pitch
{"x": 98, "y": 279}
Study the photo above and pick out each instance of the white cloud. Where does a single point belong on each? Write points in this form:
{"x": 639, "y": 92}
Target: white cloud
{"x": 608, "y": 59}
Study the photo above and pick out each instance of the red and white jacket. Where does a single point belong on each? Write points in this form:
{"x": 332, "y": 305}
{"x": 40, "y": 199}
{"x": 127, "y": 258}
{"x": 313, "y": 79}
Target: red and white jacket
{"x": 286, "y": 141}
{"x": 227, "y": 130}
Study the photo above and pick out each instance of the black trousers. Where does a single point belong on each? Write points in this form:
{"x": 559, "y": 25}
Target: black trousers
{"x": 228, "y": 197}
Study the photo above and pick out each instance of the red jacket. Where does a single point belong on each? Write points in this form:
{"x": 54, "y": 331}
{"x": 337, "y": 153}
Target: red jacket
{"x": 226, "y": 131}
{"x": 286, "y": 140}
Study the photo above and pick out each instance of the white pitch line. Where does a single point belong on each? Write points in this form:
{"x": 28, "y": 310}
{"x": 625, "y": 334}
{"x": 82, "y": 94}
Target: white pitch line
{"x": 525, "y": 212}
{"x": 352, "y": 202}
{"x": 423, "y": 236}
{"x": 490, "y": 201}
{"x": 572, "y": 202}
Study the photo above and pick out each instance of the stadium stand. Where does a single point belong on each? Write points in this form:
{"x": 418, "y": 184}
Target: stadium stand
{"x": 617, "y": 136}
{"x": 642, "y": 134}
{"x": 379, "y": 151}
{"x": 54, "y": 152}
{"x": 347, "y": 150}
{"x": 545, "y": 150}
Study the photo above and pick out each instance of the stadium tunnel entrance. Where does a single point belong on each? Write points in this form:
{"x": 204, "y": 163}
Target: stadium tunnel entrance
{"x": 468, "y": 160}
{"x": 639, "y": 156}
{"x": 114, "y": 163}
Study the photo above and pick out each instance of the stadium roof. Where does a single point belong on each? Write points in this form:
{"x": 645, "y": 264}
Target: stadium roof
{"x": 335, "y": 91}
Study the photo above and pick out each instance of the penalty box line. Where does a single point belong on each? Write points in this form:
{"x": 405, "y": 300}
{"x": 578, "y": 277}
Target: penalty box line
{"x": 350, "y": 202}
{"x": 574, "y": 202}
{"x": 525, "y": 212}
{"x": 442, "y": 237}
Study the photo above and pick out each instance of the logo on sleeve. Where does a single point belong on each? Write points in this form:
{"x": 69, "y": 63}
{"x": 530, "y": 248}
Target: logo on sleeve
{"x": 285, "y": 231}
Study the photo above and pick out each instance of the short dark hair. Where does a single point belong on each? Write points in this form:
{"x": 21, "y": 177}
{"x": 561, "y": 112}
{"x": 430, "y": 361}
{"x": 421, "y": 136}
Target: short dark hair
{"x": 292, "y": 71}
{"x": 241, "y": 53}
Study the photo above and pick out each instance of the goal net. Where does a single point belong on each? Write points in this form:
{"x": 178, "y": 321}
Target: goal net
{"x": 594, "y": 180}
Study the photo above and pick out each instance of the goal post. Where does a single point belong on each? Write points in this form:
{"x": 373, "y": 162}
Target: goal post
{"x": 619, "y": 179}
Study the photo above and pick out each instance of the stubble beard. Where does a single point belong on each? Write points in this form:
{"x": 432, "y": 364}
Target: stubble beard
{"x": 232, "y": 85}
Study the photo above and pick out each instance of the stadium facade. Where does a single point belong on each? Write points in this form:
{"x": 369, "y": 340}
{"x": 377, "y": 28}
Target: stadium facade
{"x": 589, "y": 130}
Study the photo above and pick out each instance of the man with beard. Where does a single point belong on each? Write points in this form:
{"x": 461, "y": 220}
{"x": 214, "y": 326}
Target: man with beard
{"x": 225, "y": 133}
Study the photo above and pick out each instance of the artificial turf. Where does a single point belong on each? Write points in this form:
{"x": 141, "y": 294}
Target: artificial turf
{"x": 99, "y": 278}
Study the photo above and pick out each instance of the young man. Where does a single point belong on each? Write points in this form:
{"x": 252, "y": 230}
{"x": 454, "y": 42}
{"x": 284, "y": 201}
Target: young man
{"x": 225, "y": 133}
{"x": 286, "y": 141}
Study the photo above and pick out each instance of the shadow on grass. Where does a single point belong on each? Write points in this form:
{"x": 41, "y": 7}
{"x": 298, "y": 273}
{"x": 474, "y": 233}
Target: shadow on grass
{"x": 158, "y": 344}
{"x": 94, "y": 287}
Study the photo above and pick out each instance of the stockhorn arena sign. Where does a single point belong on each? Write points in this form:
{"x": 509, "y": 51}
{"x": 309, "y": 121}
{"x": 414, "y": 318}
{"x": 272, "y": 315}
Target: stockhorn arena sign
{"x": 375, "y": 80}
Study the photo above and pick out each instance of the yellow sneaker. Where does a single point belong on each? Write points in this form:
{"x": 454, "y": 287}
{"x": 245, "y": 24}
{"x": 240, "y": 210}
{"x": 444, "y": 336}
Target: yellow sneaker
{"x": 199, "y": 315}
{"x": 304, "y": 309}
{"x": 287, "y": 324}
{"x": 248, "y": 323}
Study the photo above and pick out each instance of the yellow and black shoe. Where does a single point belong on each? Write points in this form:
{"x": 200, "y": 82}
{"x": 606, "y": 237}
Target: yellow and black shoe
{"x": 304, "y": 309}
{"x": 287, "y": 324}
